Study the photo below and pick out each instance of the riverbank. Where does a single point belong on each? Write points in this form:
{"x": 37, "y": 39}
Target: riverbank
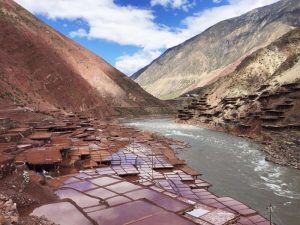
{"x": 236, "y": 167}
{"x": 77, "y": 152}
{"x": 280, "y": 148}
{"x": 269, "y": 114}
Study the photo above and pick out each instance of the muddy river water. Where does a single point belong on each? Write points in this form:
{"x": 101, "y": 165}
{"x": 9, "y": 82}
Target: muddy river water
{"x": 235, "y": 167}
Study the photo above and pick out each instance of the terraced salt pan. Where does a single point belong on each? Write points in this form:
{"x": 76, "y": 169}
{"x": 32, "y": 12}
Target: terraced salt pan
{"x": 63, "y": 213}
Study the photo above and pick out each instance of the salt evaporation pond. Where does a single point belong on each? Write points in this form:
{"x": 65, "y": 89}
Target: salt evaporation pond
{"x": 236, "y": 167}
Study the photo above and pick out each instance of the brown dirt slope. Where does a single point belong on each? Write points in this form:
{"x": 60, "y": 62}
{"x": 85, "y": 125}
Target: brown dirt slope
{"x": 41, "y": 68}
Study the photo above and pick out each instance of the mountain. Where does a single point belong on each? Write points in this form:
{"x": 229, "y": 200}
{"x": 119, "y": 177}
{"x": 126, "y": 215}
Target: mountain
{"x": 271, "y": 66}
{"x": 260, "y": 99}
{"x": 43, "y": 69}
{"x": 217, "y": 51}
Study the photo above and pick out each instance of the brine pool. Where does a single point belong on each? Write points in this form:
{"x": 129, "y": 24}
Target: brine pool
{"x": 235, "y": 167}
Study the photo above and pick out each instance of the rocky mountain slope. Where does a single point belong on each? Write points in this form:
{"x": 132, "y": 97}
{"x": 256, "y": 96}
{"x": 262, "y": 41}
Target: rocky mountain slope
{"x": 260, "y": 99}
{"x": 43, "y": 69}
{"x": 217, "y": 51}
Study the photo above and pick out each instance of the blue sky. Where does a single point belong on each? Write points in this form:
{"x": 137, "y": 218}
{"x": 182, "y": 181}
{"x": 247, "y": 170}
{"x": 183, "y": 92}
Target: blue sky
{"x": 129, "y": 34}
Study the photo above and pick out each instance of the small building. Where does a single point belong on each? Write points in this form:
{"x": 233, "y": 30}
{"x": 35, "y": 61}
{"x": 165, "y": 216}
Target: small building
{"x": 44, "y": 158}
{"x": 41, "y": 136}
{"x": 23, "y": 131}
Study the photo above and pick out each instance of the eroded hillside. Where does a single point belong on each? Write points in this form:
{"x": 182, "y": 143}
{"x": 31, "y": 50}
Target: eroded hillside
{"x": 217, "y": 51}
{"x": 42, "y": 69}
{"x": 260, "y": 99}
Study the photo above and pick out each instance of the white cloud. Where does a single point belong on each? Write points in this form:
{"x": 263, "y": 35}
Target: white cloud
{"x": 125, "y": 25}
{"x": 81, "y": 33}
{"x": 128, "y": 25}
{"x": 132, "y": 63}
{"x": 175, "y": 4}
{"x": 200, "y": 21}
{"x": 217, "y": 1}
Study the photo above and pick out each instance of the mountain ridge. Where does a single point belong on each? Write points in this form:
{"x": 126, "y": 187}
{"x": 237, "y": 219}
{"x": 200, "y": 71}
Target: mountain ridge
{"x": 52, "y": 71}
{"x": 206, "y": 56}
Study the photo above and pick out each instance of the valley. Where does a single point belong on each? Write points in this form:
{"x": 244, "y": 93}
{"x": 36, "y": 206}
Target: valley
{"x": 206, "y": 134}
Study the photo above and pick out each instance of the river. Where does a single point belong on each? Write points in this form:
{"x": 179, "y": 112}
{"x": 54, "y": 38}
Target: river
{"x": 235, "y": 167}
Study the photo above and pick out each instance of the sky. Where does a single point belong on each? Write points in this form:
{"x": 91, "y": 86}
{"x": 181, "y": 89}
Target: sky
{"x": 129, "y": 34}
